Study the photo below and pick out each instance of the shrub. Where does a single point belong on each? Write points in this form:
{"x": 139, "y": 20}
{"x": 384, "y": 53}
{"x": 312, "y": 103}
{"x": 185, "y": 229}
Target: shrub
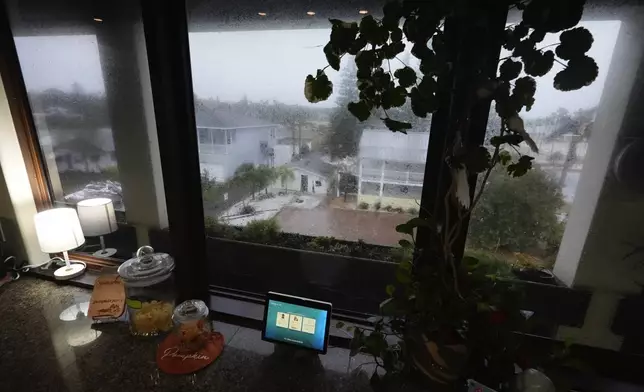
{"x": 398, "y": 210}
{"x": 377, "y": 205}
{"x": 388, "y": 208}
{"x": 247, "y": 209}
{"x": 412, "y": 211}
{"x": 363, "y": 206}
{"x": 265, "y": 196}
{"x": 261, "y": 231}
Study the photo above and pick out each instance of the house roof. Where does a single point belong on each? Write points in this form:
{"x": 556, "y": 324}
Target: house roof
{"x": 385, "y": 145}
{"x": 225, "y": 118}
{"x": 312, "y": 163}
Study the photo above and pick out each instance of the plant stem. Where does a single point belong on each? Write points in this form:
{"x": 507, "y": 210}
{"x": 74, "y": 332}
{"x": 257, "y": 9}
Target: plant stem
{"x": 495, "y": 157}
{"x": 547, "y": 46}
{"x": 564, "y": 65}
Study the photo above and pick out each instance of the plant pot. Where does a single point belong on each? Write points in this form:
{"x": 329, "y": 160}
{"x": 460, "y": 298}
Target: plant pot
{"x": 436, "y": 362}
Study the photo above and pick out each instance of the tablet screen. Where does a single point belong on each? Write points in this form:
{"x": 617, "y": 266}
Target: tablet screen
{"x": 296, "y": 324}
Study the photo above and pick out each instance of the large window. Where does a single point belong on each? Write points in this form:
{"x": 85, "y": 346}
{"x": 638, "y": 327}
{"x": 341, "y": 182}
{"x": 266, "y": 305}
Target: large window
{"x": 521, "y": 221}
{"x": 88, "y": 88}
{"x": 290, "y": 167}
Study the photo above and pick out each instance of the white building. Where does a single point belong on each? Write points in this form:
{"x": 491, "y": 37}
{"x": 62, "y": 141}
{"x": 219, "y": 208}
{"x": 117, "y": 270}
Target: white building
{"x": 391, "y": 167}
{"x": 310, "y": 175}
{"x": 228, "y": 140}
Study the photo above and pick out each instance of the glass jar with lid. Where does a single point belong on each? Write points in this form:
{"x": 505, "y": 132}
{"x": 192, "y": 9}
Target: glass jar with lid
{"x": 149, "y": 291}
{"x": 191, "y": 324}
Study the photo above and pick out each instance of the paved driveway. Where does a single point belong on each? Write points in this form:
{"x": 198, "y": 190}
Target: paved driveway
{"x": 351, "y": 225}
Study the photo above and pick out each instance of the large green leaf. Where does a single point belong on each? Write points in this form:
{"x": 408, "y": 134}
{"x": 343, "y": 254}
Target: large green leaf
{"x": 580, "y": 72}
{"x": 538, "y": 63}
{"x": 574, "y": 43}
{"x": 477, "y": 159}
{"x": 393, "y": 97}
{"x": 366, "y": 59}
{"x": 396, "y": 126}
{"x": 509, "y": 70}
{"x": 361, "y": 110}
{"x": 317, "y": 88}
{"x": 331, "y": 57}
{"x": 343, "y": 35}
{"x": 406, "y": 76}
{"x": 521, "y": 167}
{"x": 523, "y": 92}
{"x": 372, "y": 31}
{"x": 553, "y": 15}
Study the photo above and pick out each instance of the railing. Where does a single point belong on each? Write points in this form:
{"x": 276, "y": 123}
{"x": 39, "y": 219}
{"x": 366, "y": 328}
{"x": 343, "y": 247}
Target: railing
{"x": 214, "y": 149}
{"x": 402, "y": 177}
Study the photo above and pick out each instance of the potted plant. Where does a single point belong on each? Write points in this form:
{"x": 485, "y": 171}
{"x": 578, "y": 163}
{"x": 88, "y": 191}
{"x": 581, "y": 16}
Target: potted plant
{"x": 451, "y": 318}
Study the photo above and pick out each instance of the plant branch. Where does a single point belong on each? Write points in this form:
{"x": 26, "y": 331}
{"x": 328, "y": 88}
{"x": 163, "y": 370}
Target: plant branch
{"x": 495, "y": 157}
{"x": 564, "y": 65}
{"x": 547, "y": 46}
{"x": 403, "y": 63}
{"x": 328, "y": 65}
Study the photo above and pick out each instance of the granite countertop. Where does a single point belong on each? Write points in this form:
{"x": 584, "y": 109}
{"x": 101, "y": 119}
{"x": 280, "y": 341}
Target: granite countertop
{"x": 46, "y": 345}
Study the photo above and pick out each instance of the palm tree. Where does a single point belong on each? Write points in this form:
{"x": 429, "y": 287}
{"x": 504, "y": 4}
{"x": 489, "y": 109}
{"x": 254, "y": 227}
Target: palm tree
{"x": 285, "y": 174}
{"x": 264, "y": 176}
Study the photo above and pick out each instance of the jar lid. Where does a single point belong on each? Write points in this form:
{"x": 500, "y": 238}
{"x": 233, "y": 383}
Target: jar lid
{"x": 146, "y": 270}
{"x": 190, "y": 310}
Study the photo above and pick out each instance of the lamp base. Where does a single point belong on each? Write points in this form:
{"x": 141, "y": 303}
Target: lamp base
{"x": 71, "y": 271}
{"x": 107, "y": 252}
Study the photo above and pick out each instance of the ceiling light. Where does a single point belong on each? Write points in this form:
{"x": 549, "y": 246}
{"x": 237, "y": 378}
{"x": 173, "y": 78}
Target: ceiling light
{"x": 363, "y": 12}
{"x": 261, "y": 13}
{"x": 310, "y": 13}
{"x": 98, "y": 20}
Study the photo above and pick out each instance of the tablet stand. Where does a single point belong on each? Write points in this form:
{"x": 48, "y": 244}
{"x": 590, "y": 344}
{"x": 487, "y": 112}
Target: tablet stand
{"x": 287, "y": 352}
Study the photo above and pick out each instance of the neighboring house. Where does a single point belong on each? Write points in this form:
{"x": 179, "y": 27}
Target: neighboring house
{"x": 228, "y": 139}
{"x": 310, "y": 175}
{"x": 391, "y": 167}
{"x": 89, "y": 150}
{"x": 83, "y": 155}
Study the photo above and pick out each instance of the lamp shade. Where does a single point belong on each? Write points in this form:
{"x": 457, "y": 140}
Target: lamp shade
{"x": 97, "y": 216}
{"x": 58, "y": 230}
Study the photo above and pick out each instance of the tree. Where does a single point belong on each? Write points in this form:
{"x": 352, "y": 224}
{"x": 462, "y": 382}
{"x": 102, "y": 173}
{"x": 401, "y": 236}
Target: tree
{"x": 244, "y": 177}
{"x": 255, "y": 177}
{"x": 345, "y": 130}
{"x": 264, "y": 176}
{"x": 518, "y": 214}
{"x": 285, "y": 174}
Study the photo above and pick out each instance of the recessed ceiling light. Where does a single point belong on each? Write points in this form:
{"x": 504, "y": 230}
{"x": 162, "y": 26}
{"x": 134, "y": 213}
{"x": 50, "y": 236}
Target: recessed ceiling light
{"x": 98, "y": 20}
{"x": 261, "y": 13}
{"x": 310, "y": 13}
{"x": 363, "y": 12}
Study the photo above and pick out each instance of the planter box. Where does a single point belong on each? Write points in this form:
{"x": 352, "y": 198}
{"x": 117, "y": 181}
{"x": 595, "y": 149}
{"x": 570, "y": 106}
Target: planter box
{"x": 350, "y": 283}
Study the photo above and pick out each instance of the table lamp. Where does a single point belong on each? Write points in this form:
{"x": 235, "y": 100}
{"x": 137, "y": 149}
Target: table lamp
{"x": 97, "y": 219}
{"x": 59, "y": 230}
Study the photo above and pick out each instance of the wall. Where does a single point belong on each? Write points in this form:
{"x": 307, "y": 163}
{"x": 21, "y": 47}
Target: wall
{"x": 606, "y": 219}
{"x": 246, "y": 148}
{"x": 295, "y": 184}
{"x": 16, "y": 199}
{"x": 284, "y": 153}
{"x": 389, "y": 201}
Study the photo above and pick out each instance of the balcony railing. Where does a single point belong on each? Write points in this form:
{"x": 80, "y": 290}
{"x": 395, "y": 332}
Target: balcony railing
{"x": 393, "y": 176}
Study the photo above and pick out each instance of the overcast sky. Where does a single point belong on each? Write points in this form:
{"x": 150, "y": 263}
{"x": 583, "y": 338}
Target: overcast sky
{"x": 265, "y": 65}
